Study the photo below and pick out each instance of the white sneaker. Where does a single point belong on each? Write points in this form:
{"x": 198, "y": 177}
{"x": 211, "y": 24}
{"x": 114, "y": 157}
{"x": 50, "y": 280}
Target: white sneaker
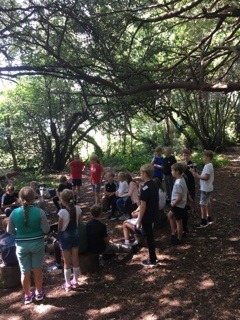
{"x": 123, "y": 217}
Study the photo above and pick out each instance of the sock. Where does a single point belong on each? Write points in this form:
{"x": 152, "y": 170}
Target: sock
{"x": 67, "y": 276}
{"x": 76, "y": 272}
{"x": 127, "y": 242}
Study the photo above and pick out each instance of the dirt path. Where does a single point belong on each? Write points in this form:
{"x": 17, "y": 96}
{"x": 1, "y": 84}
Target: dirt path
{"x": 197, "y": 281}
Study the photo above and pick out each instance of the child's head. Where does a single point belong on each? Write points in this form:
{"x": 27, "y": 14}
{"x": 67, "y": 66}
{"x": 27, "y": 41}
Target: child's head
{"x": 186, "y": 154}
{"x": 177, "y": 169}
{"x": 5, "y": 223}
{"x": 110, "y": 177}
{"x": 76, "y": 157}
{"x": 146, "y": 172}
{"x": 34, "y": 185}
{"x": 158, "y": 150}
{"x": 63, "y": 180}
{"x": 207, "y": 156}
{"x": 128, "y": 178}
{"x": 121, "y": 176}
{"x": 94, "y": 159}
{"x": 67, "y": 196}
{"x": 167, "y": 151}
{"x": 10, "y": 188}
{"x": 27, "y": 197}
{"x": 96, "y": 211}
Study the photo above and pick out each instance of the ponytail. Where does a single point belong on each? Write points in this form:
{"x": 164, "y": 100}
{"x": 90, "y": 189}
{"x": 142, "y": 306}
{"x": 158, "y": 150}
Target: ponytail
{"x": 25, "y": 213}
{"x": 72, "y": 211}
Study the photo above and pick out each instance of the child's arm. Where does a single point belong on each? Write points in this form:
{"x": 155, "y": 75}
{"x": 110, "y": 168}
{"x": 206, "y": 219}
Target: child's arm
{"x": 198, "y": 176}
{"x": 60, "y": 224}
{"x": 142, "y": 209}
{"x": 177, "y": 200}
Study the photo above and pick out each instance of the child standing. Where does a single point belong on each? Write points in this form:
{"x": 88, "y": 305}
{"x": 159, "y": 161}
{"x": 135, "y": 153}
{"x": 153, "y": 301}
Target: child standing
{"x": 76, "y": 168}
{"x": 29, "y": 224}
{"x": 206, "y": 187}
{"x": 64, "y": 184}
{"x": 96, "y": 177}
{"x": 169, "y": 160}
{"x": 69, "y": 238}
{"x": 158, "y": 163}
{"x": 178, "y": 203}
{"x": 148, "y": 210}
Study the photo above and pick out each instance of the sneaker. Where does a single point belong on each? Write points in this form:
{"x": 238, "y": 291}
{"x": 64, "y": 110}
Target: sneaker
{"x": 209, "y": 220}
{"x": 148, "y": 263}
{"x": 39, "y": 296}
{"x": 123, "y": 217}
{"x": 135, "y": 248}
{"x": 201, "y": 224}
{"x": 74, "y": 285}
{"x": 66, "y": 287}
{"x": 28, "y": 299}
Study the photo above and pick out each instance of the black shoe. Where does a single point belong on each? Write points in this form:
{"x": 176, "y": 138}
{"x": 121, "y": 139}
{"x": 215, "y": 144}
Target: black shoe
{"x": 148, "y": 263}
{"x": 135, "y": 248}
{"x": 201, "y": 224}
{"x": 209, "y": 219}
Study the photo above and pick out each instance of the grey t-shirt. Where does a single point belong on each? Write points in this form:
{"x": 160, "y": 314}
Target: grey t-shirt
{"x": 180, "y": 187}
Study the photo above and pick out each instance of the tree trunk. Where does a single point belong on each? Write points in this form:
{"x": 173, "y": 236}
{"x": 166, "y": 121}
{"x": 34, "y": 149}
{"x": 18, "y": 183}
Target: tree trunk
{"x": 11, "y": 145}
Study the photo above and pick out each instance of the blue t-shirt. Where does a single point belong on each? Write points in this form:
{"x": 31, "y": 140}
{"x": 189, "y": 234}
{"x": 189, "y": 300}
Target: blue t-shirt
{"x": 158, "y": 173}
{"x": 8, "y": 249}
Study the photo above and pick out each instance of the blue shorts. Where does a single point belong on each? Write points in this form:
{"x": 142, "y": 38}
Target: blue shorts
{"x": 76, "y": 182}
{"x": 69, "y": 239}
{"x": 30, "y": 254}
{"x": 96, "y": 187}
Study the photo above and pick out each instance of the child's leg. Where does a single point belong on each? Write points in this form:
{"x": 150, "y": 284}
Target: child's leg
{"x": 172, "y": 222}
{"x": 26, "y": 282}
{"x": 67, "y": 266}
{"x": 179, "y": 229}
{"x": 75, "y": 262}
{"x": 38, "y": 279}
{"x": 127, "y": 227}
{"x": 203, "y": 211}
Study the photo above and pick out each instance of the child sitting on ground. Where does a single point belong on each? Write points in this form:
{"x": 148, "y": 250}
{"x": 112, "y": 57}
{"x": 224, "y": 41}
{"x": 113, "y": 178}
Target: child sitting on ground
{"x": 64, "y": 184}
{"x": 97, "y": 236}
{"x": 110, "y": 189}
{"x": 178, "y": 204}
{"x": 129, "y": 227}
{"x": 162, "y": 202}
{"x": 7, "y": 246}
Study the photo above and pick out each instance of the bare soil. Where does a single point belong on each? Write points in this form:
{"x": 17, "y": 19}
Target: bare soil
{"x": 199, "y": 280}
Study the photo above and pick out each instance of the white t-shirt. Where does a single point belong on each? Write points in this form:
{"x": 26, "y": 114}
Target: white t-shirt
{"x": 207, "y": 185}
{"x": 122, "y": 188}
{"x": 162, "y": 199}
{"x": 180, "y": 187}
{"x": 64, "y": 214}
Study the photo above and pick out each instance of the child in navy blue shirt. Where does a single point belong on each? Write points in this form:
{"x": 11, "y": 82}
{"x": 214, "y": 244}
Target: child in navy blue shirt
{"x": 158, "y": 163}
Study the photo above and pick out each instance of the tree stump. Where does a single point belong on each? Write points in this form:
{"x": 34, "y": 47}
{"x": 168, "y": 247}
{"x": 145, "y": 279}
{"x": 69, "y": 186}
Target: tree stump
{"x": 89, "y": 263}
{"x": 10, "y": 276}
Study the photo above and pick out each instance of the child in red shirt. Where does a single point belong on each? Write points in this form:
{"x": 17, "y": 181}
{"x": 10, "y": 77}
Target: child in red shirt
{"x": 96, "y": 177}
{"x": 76, "y": 168}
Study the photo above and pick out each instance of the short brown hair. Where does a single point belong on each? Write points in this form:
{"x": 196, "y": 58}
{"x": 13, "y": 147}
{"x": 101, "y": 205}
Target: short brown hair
{"x": 148, "y": 169}
{"x": 62, "y": 179}
{"x": 158, "y": 149}
{"x": 208, "y": 153}
{"x": 178, "y": 167}
{"x": 96, "y": 210}
{"x": 186, "y": 151}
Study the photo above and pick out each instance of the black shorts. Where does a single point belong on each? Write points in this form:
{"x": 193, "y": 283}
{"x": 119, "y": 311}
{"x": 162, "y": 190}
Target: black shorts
{"x": 178, "y": 212}
{"x": 76, "y": 182}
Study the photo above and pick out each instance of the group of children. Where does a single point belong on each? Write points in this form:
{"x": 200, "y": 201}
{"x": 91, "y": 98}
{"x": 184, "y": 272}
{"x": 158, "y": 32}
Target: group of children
{"x": 123, "y": 200}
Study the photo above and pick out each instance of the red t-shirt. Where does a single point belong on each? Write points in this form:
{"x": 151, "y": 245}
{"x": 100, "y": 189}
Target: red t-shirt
{"x": 76, "y": 168}
{"x": 96, "y": 172}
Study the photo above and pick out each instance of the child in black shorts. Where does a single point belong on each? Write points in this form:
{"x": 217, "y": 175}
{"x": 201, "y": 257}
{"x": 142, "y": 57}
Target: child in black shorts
{"x": 178, "y": 203}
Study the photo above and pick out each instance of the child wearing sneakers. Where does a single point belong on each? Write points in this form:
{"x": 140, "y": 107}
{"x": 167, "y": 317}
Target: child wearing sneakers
{"x": 206, "y": 187}
{"x": 68, "y": 221}
{"x": 29, "y": 224}
{"x": 178, "y": 203}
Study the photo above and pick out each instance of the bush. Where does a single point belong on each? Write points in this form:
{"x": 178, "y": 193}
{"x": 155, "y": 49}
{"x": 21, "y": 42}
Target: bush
{"x": 126, "y": 162}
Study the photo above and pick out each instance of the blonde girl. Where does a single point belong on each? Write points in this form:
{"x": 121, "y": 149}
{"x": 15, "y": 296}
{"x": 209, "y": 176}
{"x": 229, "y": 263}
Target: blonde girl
{"x": 69, "y": 238}
{"x": 29, "y": 224}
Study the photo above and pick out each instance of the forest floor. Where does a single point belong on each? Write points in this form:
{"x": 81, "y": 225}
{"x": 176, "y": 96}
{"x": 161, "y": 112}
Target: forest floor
{"x": 199, "y": 280}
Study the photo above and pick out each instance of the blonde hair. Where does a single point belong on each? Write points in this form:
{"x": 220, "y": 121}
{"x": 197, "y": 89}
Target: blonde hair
{"x": 148, "y": 169}
{"x": 68, "y": 197}
{"x": 208, "y": 153}
{"x": 27, "y": 197}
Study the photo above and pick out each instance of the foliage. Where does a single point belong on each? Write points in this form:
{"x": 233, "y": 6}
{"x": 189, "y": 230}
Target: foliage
{"x": 219, "y": 160}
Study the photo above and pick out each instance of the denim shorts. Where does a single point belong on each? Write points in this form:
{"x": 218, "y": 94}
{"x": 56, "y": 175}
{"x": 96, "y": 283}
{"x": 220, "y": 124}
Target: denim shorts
{"x": 30, "y": 254}
{"x": 69, "y": 239}
{"x": 205, "y": 198}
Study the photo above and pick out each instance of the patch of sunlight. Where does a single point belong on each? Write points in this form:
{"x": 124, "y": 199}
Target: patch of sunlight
{"x": 234, "y": 239}
{"x": 9, "y": 317}
{"x": 109, "y": 277}
{"x": 206, "y": 284}
{"x": 44, "y": 309}
{"x": 166, "y": 256}
{"x": 150, "y": 279}
{"x": 103, "y": 311}
{"x": 150, "y": 317}
{"x": 170, "y": 302}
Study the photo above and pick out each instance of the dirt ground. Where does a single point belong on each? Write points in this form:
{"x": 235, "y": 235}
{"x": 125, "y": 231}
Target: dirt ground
{"x": 199, "y": 280}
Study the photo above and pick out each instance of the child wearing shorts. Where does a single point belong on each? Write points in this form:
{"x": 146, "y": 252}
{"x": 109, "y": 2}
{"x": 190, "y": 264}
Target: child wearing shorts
{"x": 76, "y": 168}
{"x": 178, "y": 204}
{"x": 29, "y": 224}
{"x": 68, "y": 221}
